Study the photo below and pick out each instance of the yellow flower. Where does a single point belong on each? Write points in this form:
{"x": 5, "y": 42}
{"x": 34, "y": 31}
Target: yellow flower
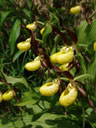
{"x": 49, "y": 88}
{"x": 68, "y": 96}
{"x": 32, "y": 26}
{"x": 53, "y": 57}
{"x": 66, "y": 56}
{"x": 24, "y": 46}
{"x": 34, "y": 65}
{"x": 95, "y": 46}
{"x": 28, "y": 40}
{"x": 8, "y": 95}
{"x": 42, "y": 30}
{"x": 75, "y": 10}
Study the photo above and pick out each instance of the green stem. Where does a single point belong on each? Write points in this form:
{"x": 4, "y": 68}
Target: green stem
{"x": 38, "y": 40}
{"x": 39, "y": 22}
{"x": 62, "y": 78}
{"x": 83, "y": 45}
{"x": 93, "y": 14}
{"x": 83, "y": 115}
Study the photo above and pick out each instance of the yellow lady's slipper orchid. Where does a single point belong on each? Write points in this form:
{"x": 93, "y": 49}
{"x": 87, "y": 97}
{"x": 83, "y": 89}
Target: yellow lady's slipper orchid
{"x": 42, "y": 30}
{"x": 49, "y": 88}
{"x": 34, "y": 65}
{"x": 28, "y": 40}
{"x": 24, "y": 46}
{"x": 95, "y": 46}
{"x": 75, "y": 10}
{"x": 8, "y": 95}
{"x": 53, "y": 57}
{"x": 32, "y": 26}
{"x": 66, "y": 56}
{"x": 68, "y": 96}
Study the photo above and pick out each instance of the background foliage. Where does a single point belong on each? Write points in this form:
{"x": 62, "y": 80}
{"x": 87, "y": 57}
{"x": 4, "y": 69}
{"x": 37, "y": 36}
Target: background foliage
{"x": 28, "y": 109}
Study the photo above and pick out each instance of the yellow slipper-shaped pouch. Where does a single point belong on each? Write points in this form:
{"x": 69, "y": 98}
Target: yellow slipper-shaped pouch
{"x": 42, "y": 30}
{"x": 24, "y": 46}
{"x": 53, "y": 57}
{"x": 49, "y": 88}
{"x": 65, "y": 57}
{"x": 28, "y": 40}
{"x": 75, "y": 10}
{"x": 34, "y": 65}
{"x": 0, "y": 96}
{"x": 31, "y": 26}
{"x": 68, "y": 96}
{"x": 95, "y": 46}
{"x": 8, "y": 95}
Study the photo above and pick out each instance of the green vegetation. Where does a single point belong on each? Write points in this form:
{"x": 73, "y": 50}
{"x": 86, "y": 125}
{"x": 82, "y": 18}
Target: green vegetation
{"x": 45, "y": 46}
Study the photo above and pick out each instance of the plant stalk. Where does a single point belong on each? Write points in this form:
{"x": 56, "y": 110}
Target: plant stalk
{"x": 83, "y": 115}
{"x": 93, "y": 14}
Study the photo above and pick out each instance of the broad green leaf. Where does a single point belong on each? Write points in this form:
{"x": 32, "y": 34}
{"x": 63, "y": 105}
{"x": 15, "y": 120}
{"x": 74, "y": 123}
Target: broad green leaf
{"x": 35, "y": 108}
{"x": 14, "y": 34}
{"x": 93, "y": 4}
{"x": 86, "y": 32}
{"x": 47, "y": 31}
{"x": 93, "y": 125}
{"x": 30, "y": 2}
{"x": 1, "y": 83}
{"x": 4, "y": 15}
{"x": 81, "y": 34}
{"x": 21, "y": 121}
{"x": 27, "y": 12}
{"x": 13, "y": 80}
{"x": 16, "y": 56}
{"x": 40, "y": 120}
{"x": 56, "y": 41}
{"x": 28, "y": 98}
{"x": 82, "y": 77}
{"x": 92, "y": 68}
{"x": 90, "y": 32}
{"x": 82, "y": 63}
{"x": 49, "y": 120}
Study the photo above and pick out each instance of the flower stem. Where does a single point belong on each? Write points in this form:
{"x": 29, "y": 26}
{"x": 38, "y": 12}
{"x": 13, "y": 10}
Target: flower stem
{"x": 93, "y": 14}
{"x": 83, "y": 115}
